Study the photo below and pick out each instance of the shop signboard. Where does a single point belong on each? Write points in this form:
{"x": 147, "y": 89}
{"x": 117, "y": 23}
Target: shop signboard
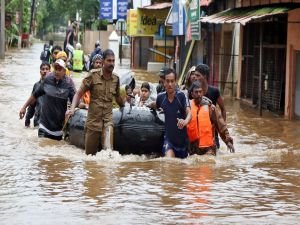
{"x": 145, "y": 22}
{"x": 193, "y": 30}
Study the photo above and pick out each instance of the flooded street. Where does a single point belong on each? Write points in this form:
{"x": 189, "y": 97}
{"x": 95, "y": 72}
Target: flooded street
{"x": 49, "y": 182}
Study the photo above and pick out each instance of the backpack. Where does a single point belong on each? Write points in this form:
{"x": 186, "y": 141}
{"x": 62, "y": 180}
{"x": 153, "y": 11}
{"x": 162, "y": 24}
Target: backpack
{"x": 45, "y": 53}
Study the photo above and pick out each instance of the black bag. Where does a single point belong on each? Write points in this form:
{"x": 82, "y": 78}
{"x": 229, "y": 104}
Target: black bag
{"x": 45, "y": 54}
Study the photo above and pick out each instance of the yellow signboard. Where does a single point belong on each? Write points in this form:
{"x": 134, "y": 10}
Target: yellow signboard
{"x": 142, "y": 22}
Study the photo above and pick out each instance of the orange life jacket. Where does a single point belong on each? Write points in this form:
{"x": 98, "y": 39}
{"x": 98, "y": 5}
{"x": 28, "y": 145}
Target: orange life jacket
{"x": 86, "y": 98}
{"x": 200, "y": 127}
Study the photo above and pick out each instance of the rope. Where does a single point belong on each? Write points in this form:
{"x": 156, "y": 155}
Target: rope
{"x": 67, "y": 120}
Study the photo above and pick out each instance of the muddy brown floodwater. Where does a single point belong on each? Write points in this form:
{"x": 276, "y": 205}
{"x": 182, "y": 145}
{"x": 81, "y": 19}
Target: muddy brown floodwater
{"x": 49, "y": 182}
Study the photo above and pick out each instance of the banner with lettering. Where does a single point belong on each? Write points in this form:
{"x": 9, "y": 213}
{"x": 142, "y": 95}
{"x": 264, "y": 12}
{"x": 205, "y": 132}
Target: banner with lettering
{"x": 143, "y": 22}
{"x": 122, "y": 6}
{"x": 193, "y": 30}
{"x": 113, "y": 9}
{"x": 106, "y": 9}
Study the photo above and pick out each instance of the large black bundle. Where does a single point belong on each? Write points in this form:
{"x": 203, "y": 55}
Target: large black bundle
{"x": 137, "y": 130}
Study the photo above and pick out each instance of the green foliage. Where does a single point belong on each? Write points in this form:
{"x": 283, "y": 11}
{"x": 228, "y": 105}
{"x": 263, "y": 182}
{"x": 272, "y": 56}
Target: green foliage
{"x": 11, "y": 34}
{"x": 53, "y": 14}
{"x": 14, "y": 5}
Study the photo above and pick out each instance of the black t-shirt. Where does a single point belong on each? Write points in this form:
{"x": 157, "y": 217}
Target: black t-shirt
{"x": 213, "y": 94}
{"x": 55, "y": 98}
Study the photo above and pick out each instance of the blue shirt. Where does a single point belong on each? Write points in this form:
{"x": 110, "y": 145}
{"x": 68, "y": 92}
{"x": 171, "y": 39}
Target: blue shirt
{"x": 173, "y": 110}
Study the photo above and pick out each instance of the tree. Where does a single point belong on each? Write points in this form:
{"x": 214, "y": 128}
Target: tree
{"x": 52, "y": 14}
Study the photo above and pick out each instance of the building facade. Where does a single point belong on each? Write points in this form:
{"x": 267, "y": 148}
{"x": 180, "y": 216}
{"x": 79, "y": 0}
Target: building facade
{"x": 252, "y": 48}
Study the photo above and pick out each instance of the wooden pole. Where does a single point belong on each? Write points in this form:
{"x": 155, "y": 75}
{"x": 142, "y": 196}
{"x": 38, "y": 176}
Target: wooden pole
{"x": 260, "y": 68}
{"x": 2, "y": 30}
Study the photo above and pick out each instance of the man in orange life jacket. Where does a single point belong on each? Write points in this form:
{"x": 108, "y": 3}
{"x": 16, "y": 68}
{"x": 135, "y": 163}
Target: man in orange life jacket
{"x": 205, "y": 120}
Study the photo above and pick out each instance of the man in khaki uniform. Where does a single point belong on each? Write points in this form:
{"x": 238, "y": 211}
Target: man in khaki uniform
{"x": 103, "y": 85}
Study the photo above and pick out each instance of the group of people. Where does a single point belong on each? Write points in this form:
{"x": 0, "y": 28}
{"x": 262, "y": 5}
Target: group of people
{"x": 56, "y": 89}
{"x": 75, "y": 59}
{"x": 191, "y": 120}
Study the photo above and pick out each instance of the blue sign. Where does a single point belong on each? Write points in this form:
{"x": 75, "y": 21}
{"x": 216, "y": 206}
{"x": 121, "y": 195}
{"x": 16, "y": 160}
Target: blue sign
{"x": 178, "y": 18}
{"x": 113, "y": 9}
{"x": 122, "y": 9}
{"x": 106, "y": 9}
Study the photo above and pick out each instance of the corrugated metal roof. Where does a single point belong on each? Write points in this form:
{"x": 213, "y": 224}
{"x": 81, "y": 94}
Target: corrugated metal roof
{"x": 162, "y": 5}
{"x": 243, "y": 15}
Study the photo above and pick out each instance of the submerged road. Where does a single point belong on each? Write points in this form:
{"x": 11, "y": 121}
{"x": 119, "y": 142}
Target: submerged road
{"x": 49, "y": 182}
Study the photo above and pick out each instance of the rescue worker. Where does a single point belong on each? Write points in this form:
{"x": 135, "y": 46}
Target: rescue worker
{"x": 211, "y": 92}
{"x": 86, "y": 98}
{"x": 34, "y": 109}
{"x": 103, "y": 85}
{"x": 78, "y": 58}
{"x": 206, "y": 118}
{"x": 62, "y": 55}
{"x": 177, "y": 115}
{"x": 57, "y": 89}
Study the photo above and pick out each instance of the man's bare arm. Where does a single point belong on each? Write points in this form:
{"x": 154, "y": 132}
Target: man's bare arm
{"x": 30, "y": 101}
{"x": 120, "y": 101}
{"x": 220, "y": 102}
{"x": 78, "y": 95}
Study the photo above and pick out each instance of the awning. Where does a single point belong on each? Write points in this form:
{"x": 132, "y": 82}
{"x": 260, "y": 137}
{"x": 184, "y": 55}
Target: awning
{"x": 243, "y": 15}
{"x": 156, "y": 6}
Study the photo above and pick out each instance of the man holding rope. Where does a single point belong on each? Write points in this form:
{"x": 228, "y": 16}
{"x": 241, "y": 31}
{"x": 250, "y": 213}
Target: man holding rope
{"x": 103, "y": 85}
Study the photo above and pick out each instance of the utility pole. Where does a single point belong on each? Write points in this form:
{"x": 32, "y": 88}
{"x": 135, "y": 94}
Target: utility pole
{"x": 2, "y": 30}
{"x": 21, "y": 24}
{"x": 31, "y": 16}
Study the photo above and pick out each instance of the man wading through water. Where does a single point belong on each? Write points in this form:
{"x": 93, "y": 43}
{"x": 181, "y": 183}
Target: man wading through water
{"x": 35, "y": 109}
{"x": 57, "y": 89}
{"x": 103, "y": 85}
{"x": 177, "y": 112}
{"x": 206, "y": 121}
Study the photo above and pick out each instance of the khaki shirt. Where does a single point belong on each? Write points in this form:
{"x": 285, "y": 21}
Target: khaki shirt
{"x": 101, "y": 99}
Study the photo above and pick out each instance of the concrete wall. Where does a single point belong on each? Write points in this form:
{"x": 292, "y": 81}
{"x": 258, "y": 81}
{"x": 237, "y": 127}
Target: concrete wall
{"x": 90, "y": 37}
{"x": 293, "y": 45}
